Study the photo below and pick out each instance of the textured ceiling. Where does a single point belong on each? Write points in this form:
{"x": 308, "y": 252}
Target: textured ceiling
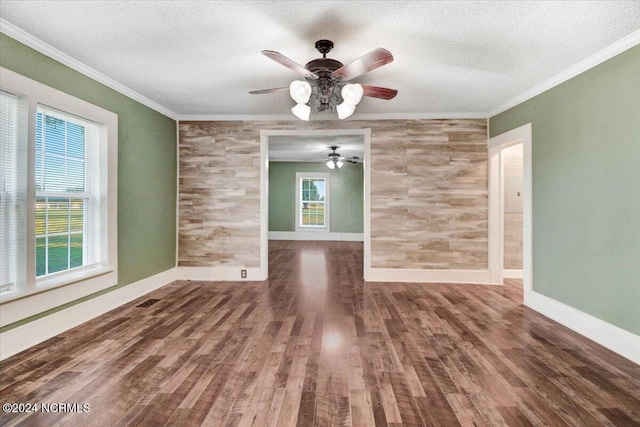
{"x": 313, "y": 148}
{"x": 204, "y": 57}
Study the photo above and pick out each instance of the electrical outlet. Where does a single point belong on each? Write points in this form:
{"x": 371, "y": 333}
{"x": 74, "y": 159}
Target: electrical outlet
{"x": 243, "y": 274}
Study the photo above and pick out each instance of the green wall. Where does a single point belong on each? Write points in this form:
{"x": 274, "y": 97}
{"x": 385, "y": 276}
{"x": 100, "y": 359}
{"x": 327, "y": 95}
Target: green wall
{"x": 147, "y": 165}
{"x": 586, "y": 189}
{"x": 346, "y": 195}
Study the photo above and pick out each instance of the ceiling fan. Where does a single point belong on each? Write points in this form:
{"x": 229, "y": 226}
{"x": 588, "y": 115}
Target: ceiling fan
{"x": 327, "y": 80}
{"x": 335, "y": 159}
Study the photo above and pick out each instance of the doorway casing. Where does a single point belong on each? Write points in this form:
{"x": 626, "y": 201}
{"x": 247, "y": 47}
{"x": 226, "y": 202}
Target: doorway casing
{"x": 264, "y": 188}
{"x": 520, "y": 135}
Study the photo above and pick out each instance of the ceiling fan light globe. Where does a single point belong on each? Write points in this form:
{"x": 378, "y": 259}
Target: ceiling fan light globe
{"x": 331, "y": 164}
{"x": 352, "y": 93}
{"x": 344, "y": 110}
{"x": 300, "y": 91}
{"x": 302, "y": 112}
{"x": 339, "y": 163}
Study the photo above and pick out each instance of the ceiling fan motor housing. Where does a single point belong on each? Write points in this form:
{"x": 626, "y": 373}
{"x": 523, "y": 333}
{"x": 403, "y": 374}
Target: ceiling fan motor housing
{"x": 325, "y": 84}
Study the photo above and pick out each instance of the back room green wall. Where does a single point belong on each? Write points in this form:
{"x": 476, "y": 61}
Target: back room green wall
{"x": 586, "y": 189}
{"x": 347, "y": 209}
{"x": 147, "y": 165}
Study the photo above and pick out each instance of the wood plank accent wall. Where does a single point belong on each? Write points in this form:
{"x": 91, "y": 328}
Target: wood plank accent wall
{"x": 429, "y": 202}
{"x": 513, "y": 244}
{"x": 219, "y": 195}
{"x": 513, "y": 222}
{"x": 429, "y": 192}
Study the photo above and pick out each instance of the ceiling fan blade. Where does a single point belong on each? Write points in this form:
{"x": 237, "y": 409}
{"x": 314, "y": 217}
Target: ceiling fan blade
{"x": 372, "y": 60}
{"x": 379, "y": 92}
{"x": 281, "y": 59}
{"x": 275, "y": 89}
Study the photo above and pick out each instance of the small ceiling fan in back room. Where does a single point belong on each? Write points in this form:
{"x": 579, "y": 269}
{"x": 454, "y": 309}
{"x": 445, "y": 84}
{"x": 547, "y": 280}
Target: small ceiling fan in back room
{"x": 327, "y": 80}
{"x": 335, "y": 159}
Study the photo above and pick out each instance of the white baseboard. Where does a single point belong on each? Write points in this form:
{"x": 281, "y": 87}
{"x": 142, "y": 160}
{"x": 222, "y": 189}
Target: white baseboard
{"x": 512, "y": 274}
{"x": 308, "y": 235}
{"x": 428, "y": 276}
{"x": 220, "y": 274}
{"x": 21, "y": 338}
{"x": 612, "y": 337}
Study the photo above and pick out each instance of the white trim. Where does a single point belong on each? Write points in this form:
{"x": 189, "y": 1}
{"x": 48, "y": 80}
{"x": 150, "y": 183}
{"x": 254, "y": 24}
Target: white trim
{"x": 607, "y": 335}
{"x": 220, "y": 274}
{"x": 21, "y": 338}
{"x": 609, "y": 52}
{"x": 480, "y": 277}
{"x": 521, "y": 135}
{"x": 512, "y": 274}
{"x": 302, "y": 235}
{"x": 366, "y": 164}
{"x": 35, "y": 43}
{"x": 328, "y": 117}
{"x": 177, "y": 193}
{"x": 264, "y": 203}
{"x": 496, "y": 229}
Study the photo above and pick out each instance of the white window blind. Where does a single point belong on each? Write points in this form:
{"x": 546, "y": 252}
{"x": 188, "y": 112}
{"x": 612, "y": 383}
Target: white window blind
{"x": 8, "y": 189}
{"x": 67, "y": 177}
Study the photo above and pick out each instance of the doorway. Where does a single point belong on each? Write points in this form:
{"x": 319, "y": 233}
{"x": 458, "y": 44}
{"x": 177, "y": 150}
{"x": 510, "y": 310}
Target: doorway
{"x": 501, "y": 193}
{"x": 267, "y": 137}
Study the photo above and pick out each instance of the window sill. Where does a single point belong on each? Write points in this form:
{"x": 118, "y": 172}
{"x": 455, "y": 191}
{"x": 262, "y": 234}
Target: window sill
{"x": 313, "y": 229}
{"x": 48, "y": 283}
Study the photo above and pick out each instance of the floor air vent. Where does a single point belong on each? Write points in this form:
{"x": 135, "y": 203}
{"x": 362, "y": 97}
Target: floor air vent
{"x": 148, "y": 303}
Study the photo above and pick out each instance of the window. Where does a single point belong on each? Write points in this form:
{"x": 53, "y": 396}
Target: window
{"x": 312, "y": 209}
{"x": 312, "y": 198}
{"x": 58, "y": 186}
{"x": 67, "y": 194}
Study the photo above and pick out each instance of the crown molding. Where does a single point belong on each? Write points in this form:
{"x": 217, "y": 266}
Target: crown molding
{"x": 609, "y": 52}
{"x": 35, "y": 43}
{"x": 420, "y": 116}
{"x": 238, "y": 118}
{"x": 332, "y": 117}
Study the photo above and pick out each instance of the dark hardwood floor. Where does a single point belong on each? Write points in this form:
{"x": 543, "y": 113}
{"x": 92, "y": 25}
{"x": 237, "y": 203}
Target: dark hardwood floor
{"x": 316, "y": 346}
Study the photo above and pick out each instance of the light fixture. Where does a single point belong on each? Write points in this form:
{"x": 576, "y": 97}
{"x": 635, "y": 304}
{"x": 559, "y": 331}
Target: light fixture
{"x": 302, "y": 112}
{"x": 334, "y": 159}
{"x": 344, "y": 110}
{"x": 352, "y": 93}
{"x": 300, "y": 91}
{"x": 329, "y": 96}
{"x": 332, "y": 163}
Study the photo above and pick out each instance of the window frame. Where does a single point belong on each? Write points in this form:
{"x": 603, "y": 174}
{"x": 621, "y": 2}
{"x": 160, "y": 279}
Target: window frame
{"x": 327, "y": 202}
{"x": 90, "y": 195}
{"x": 33, "y": 296}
